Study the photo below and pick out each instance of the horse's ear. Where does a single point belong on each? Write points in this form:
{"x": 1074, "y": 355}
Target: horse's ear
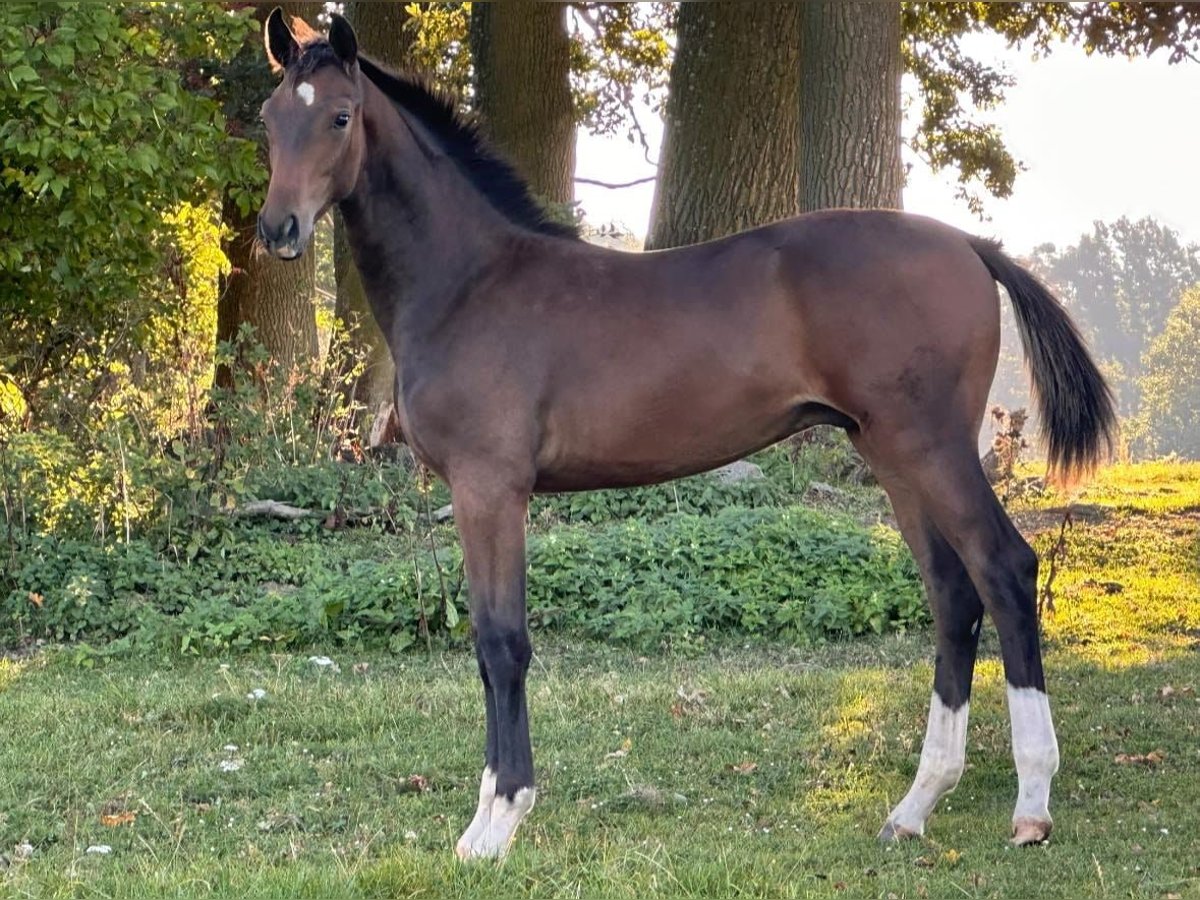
{"x": 281, "y": 44}
{"x": 343, "y": 40}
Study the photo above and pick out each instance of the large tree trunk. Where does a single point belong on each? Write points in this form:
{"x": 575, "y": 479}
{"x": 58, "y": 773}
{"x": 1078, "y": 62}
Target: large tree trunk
{"x": 522, "y": 88}
{"x": 729, "y": 155}
{"x": 275, "y": 297}
{"x": 850, "y": 66}
{"x": 382, "y": 36}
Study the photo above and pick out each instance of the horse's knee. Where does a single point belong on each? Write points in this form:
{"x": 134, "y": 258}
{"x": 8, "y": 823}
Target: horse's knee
{"x": 504, "y": 649}
{"x": 1011, "y": 575}
{"x": 1024, "y": 562}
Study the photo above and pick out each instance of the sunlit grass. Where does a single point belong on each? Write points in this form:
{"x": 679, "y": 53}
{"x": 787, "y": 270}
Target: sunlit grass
{"x": 1147, "y": 487}
{"x": 757, "y": 771}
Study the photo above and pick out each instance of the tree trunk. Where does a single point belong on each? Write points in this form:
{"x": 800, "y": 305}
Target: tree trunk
{"x": 522, "y": 88}
{"x": 274, "y": 296}
{"x": 850, "y": 66}
{"x": 729, "y": 154}
{"x": 382, "y": 36}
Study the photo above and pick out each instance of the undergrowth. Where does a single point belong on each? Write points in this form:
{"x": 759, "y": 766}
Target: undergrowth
{"x": 132, "y": 540}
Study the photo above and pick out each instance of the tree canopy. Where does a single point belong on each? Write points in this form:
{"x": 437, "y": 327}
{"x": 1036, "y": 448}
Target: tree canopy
{"x": 1169, "y": 418}
{"x": 107, "y": 125}
{"x": 1121, "y": 281}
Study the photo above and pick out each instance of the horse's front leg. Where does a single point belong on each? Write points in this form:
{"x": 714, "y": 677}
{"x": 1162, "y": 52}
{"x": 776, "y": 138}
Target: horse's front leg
{"x": 491, "y": 522}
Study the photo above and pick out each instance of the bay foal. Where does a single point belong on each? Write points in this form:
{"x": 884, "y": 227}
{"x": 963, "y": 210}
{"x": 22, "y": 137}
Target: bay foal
{"x": 528, "y": 360}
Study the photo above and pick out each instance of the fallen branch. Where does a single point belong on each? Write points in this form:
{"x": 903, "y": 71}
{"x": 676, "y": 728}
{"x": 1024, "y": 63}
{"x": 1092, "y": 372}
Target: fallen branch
{"x": 273, "y": 509}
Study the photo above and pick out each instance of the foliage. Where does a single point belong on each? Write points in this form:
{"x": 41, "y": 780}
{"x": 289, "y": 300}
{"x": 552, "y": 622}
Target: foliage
{"x": 273, "y": 434}
{"x": 1121, "y": 282}
{"x": 440, "y": 45}
{"x": 791, "y": 573}
{"x": 138, "y": 541}
{"x": 1168, "y": 420}
{"x": 619, "y": 54}
{"x": 948, "y": 77}
{"x": 102, "y": 140}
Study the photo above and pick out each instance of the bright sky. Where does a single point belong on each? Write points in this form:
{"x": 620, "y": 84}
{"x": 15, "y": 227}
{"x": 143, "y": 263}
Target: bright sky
{"x": 1099, "y": 138}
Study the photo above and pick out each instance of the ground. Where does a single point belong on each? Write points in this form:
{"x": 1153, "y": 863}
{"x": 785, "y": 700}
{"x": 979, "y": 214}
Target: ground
{"x": 757, "y": 770}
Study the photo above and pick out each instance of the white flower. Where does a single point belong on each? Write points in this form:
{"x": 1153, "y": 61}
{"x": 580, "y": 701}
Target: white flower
{"x": 321, "y": 661}
{"x": 230, "y": 748}
{"x": 230, "y": 765}
{"x": 100, "y": 849}
{"x": 256, "y": 694}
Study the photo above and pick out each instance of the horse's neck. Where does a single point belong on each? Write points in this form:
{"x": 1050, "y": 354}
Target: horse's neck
{"x": 416, "y": 226}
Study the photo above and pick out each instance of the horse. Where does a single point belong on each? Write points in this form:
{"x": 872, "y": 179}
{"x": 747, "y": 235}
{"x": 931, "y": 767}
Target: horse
{"x": 528, "y": 360}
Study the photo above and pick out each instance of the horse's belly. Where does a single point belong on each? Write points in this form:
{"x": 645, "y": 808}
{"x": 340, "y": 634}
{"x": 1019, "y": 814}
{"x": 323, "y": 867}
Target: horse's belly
{"x": 626, "y": 448}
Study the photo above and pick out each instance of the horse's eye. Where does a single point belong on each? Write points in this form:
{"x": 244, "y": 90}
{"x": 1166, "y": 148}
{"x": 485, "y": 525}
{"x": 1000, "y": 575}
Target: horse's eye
{"x": 341, "y": 120}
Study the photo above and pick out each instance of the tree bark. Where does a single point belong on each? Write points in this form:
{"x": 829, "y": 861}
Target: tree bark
{"x": 522, "y": 89}
{"x": 382, "y": 36}
{"x": 275, "y": 297}
{"x": 850, "y": 66}
{"x": 729, "y": 155}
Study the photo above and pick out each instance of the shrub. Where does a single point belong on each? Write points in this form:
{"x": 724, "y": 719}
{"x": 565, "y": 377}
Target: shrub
{"x": 786, "y": 573}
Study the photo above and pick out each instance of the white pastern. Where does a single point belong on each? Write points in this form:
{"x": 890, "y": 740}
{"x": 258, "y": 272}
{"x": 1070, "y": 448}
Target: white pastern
{"x": 496, "y": 819}
{"x": 483, "y": 815}
{"x": 306, "y": 92}
{"x": 943, "y": 756}
{"x": 1035, "y": 751}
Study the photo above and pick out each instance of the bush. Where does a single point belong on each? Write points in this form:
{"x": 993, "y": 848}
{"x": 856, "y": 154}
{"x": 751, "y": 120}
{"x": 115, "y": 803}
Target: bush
{"x": 134, "y": 539}
{"x": 787, "y": 573}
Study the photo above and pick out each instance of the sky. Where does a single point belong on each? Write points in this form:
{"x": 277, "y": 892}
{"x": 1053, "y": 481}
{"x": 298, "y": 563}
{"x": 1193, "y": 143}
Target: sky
{"x": 1099, "y": 138}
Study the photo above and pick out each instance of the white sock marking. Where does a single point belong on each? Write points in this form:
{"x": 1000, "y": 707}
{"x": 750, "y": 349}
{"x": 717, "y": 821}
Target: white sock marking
{"x": 1035, "y": 751}
{"x": 496, "y": 819}
{"x": 483, "y": 813}
{"x": 943, "y": 756}
{"x": 306, "y": 92}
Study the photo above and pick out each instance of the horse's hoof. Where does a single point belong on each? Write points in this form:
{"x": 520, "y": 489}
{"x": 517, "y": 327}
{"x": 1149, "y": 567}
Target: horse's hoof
{"x": 1027, "y": 831}
{"x": 495, "y": 825}
{"x": 466, "y": 852}
{"x": 892, "y": 832}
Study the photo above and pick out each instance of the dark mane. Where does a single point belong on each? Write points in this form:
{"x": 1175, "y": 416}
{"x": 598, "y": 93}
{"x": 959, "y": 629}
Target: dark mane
{"x": 458, "y": 135}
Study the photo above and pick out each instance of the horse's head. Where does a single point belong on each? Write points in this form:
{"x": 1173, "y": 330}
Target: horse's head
{"x": 313, "y": 127}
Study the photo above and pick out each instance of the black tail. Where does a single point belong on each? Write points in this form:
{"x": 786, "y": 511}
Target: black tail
{"x": 1075, "y": 405}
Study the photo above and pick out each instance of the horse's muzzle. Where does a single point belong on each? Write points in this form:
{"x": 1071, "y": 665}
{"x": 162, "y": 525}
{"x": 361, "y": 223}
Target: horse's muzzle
{"x": 282, "y": 241}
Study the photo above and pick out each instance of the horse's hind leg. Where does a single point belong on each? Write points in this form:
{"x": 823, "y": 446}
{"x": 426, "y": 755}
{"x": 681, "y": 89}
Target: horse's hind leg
{"x": 957, "y": 614}
{"x": 947, "y": 480}
{"x": 491, "y": 522}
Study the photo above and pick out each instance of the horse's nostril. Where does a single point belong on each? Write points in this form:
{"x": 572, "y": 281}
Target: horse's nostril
{"x": 292, "y": 231}
{"x": 262, "y": 231}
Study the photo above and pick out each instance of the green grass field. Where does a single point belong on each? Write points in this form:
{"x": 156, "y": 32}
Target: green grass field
{"x": 757, "y": 770}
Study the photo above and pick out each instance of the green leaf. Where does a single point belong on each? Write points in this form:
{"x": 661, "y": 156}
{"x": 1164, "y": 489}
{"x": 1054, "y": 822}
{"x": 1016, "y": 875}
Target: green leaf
{"x": 21, "y": 73}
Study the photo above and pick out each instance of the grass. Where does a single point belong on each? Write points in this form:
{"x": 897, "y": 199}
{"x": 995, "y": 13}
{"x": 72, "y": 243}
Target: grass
{"x": 748, "y": 771}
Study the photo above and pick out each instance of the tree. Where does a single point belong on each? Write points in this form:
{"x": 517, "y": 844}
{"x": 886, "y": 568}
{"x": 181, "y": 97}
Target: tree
{"x": 728, "y": 158}
{"x": 384, "y": 33}
{"x": 275, "y": 297}
{"x": 107, "y": 130}
{"x": 1169, "y": 418}
{"x": 617, "y": 51}
{"x": 851, "y": 59}
{"x": 850, "y": 68}
{"x": 522, "y": 89}
{"x": 1121, "y": 281}
{"x": 952, "y": 83}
